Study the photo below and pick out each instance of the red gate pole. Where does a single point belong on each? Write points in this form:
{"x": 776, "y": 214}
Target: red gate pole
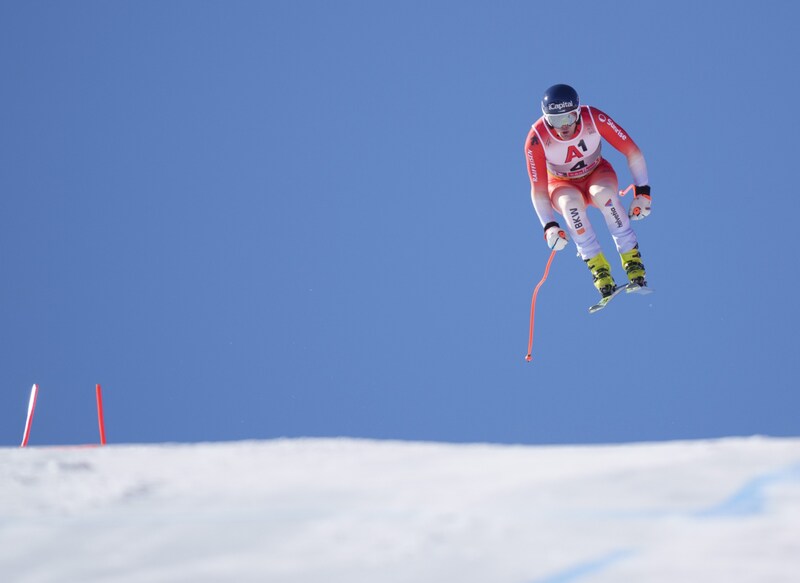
{"x": 29, "y": 419}
{"x": 100, "y": 420}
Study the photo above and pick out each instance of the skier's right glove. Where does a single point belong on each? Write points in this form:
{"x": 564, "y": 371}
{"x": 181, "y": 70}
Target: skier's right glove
{"x": 640, "y": 206}
{"x": 555, "y": 236}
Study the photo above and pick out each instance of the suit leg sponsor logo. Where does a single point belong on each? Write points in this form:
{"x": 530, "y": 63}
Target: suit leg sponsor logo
{"x": 576, "y": 221}
{"x": 616, "y": 216}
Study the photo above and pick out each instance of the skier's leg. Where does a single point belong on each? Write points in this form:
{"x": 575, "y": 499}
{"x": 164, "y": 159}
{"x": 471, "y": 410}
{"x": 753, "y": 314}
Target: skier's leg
{"x": 603, "y": 190}
{"x": 569, "y": 201}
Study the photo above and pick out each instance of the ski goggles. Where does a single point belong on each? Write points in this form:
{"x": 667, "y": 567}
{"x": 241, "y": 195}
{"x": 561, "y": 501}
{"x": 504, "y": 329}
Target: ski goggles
{"x": 558, "y": 120}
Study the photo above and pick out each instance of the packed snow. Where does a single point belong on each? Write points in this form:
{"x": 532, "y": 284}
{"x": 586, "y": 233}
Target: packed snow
{"x": 359, "y": 511}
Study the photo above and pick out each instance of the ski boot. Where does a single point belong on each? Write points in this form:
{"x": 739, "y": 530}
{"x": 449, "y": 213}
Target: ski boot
{"x": 601, "y": 274}
{"x": 632, "y": 263}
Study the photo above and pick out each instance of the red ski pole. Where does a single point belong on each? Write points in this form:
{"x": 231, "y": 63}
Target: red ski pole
{"x": 533, "y": 302}
{"x": 627, "y": 190}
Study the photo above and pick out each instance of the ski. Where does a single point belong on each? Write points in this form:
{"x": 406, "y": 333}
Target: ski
{"x": 630, "y": 288}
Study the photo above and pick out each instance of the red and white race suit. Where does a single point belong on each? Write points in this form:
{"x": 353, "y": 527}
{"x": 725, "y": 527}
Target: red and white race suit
{"x": 569, "y": 175}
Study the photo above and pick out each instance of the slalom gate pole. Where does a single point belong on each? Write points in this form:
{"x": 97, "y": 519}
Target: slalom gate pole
{"x": 100, "y": 419}
{"x": 29, "y": 419}
{"x": 32, "y": 407}
{"x": 533, "y": 302}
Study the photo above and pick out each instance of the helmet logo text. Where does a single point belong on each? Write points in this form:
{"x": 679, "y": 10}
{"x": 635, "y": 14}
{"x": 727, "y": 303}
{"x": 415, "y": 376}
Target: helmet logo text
{"x": 561, "y": 106}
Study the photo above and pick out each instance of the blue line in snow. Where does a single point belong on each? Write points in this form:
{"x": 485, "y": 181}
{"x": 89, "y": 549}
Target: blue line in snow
{"x": 746, "y": 501}
{"x": 588, "y": 568}
{"x": 749, "y": 499}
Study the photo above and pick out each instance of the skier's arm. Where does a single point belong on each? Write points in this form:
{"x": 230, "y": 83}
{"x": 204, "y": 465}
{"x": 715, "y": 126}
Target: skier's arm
{"x": 537, "y": 173}
{"x": 554, "y": 235}
{"x": 615, "y": 135}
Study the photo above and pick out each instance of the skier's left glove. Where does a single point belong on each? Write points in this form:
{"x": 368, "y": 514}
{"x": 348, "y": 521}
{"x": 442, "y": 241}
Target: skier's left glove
{"x": 640, "y": 206}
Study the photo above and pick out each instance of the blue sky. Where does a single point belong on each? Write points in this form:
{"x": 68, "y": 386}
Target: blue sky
{"x": 264, "y": 219}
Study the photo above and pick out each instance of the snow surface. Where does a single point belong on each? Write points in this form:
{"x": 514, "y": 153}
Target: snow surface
{"x": 343, "y": 510}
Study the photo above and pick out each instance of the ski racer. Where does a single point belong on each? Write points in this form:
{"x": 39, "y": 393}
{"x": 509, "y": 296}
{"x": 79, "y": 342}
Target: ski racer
{"x": 568, "y": 174}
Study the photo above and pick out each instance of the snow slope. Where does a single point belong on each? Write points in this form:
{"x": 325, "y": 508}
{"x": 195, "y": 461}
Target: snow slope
{"x": 342, "y": 510}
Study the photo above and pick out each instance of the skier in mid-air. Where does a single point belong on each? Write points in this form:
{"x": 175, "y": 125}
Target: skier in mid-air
{"x": 568, "y": 174}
